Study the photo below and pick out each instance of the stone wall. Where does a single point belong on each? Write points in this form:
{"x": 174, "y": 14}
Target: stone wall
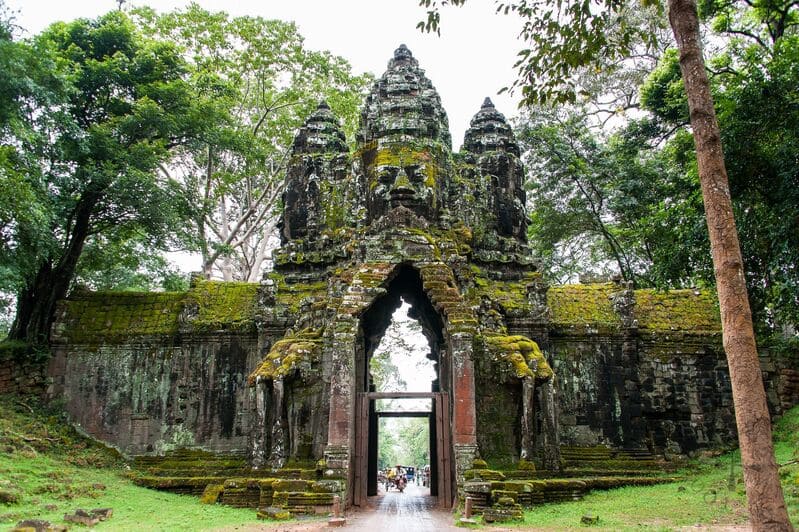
{"x": 149, "y": 373}
{"x": 158, "y": 394}
{"x": 21, "y": 375}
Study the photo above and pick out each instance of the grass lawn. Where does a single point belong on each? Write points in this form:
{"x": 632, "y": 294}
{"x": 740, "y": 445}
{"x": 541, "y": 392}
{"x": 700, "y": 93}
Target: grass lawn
{"x": 47, "y": 470}
{"x": 712, "y": 493}
{"x": 50, "y": 470}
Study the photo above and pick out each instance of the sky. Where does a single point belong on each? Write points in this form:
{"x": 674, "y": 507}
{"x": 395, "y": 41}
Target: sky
{"x": 472, "y": 59}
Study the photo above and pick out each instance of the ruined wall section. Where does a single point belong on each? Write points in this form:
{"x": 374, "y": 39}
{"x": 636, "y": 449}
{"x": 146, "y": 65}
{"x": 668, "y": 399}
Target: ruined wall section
{"x": 640, "y": 368}
{"x": 152, "y": 372}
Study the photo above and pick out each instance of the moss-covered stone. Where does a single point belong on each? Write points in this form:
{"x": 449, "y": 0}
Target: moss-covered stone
{"x": 288, "y": 355}
{"x": 212, "y": 493}
{"x": 523, "y": 354}
{"x": 223, "y": 305}
{"x": 694, "y": 311}
{"x": 587, "y": 304}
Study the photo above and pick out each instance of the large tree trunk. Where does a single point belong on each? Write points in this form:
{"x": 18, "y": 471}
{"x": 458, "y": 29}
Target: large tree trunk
{"x": 765, "y": 500}
{"x": 36, "y": 303}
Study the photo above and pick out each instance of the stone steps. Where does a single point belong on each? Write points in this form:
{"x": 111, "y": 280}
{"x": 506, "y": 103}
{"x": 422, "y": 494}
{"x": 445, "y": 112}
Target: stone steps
{"x": 485, "y": 494}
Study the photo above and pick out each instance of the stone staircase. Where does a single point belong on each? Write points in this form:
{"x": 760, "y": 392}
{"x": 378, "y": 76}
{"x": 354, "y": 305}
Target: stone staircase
{"x": 584, "y": 469}
{"x": 228, "y": 480}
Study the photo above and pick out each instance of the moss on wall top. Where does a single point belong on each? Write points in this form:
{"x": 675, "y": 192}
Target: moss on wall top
{"x": 92, "y": 317}
{"x": 224, "y": 305}
{"x": 96, "y": 317}
{"x": 583, "y": 304}
{"x": 672, "y": 310}
{"x": 681, "y": 310}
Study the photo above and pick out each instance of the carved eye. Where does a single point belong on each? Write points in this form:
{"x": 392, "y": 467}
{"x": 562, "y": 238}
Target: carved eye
{"x": 387, "y": 175}
{"x": 415, "y": 173}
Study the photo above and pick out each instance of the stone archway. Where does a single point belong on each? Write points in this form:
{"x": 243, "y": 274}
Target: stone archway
{"x": 405, "y": 284}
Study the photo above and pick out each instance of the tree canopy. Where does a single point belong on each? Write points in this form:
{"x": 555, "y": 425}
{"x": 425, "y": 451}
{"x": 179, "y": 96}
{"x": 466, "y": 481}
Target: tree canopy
{"x": 133, "y": 134}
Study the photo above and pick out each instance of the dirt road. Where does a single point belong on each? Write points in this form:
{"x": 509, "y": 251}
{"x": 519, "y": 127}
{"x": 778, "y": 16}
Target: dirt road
{"x": 397, "y": 512}
{"x": 387, "y": 512}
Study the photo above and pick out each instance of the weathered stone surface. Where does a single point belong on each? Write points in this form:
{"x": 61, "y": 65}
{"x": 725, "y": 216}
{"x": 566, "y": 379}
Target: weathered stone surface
{"x": 267, "y": 377}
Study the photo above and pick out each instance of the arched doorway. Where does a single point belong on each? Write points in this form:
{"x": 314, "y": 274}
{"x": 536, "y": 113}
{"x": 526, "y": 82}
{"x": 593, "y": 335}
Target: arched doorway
{"x": 404, "y": 286}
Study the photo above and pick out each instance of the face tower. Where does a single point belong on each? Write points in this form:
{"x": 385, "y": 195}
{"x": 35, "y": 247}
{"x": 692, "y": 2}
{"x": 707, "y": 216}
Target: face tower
{"x": 402, "y": 218}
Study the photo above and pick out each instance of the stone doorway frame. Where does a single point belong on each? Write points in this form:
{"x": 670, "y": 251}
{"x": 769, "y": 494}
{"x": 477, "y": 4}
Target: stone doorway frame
{"x": 365, "y": 434}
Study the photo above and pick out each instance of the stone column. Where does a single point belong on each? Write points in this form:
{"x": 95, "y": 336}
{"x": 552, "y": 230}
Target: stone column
{"x": 550, "y": 439}
{"x": 258, "y": 439}
{"x": 464, "y": 417}
{"x": 528, "y": 419}
{"x": 279, "y": 450}
{"x": 339, "y": 353}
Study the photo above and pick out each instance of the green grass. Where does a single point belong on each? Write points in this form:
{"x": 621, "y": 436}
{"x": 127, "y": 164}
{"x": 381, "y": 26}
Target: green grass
{"x": 51, "y": 470}
{"x": 711, "y": 494}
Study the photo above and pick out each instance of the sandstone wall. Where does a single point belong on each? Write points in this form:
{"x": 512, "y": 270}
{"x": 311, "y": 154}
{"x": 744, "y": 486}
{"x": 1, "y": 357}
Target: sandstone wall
{"x": 152, "y": 372}
{"x": 157, "y": 394}
{"x": 19, "y": 374}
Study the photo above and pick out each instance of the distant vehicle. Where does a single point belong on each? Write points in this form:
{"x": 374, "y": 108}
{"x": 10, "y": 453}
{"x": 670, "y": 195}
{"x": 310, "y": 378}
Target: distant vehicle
{"x": 410, "y": 473}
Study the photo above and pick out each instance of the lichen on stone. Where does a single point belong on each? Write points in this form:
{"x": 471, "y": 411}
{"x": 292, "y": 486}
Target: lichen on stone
{"x": 524, "y": 356}
{"x": 291, "y": 353}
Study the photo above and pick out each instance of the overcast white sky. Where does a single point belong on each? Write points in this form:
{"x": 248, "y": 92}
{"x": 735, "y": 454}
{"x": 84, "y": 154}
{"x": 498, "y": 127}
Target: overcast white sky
{"x": 472, "y": 59}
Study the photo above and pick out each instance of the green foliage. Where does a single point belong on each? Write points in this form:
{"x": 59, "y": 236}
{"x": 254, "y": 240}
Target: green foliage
{"x": 106, "y": 107}
{"x": 754, "y": 82}
{"x": 710, "y": 491}
{"x": 51, "y": 470}
{"x": 664, "y": 89}
{"x": 606, "y": 205}
{"x": 414, "y": 442}
{"x": 264, "y": 82}
{"x": 563, "y": 38}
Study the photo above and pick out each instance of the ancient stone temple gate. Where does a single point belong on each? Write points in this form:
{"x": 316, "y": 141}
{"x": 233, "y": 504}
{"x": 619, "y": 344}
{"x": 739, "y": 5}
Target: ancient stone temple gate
{"x": 401, "y": 218}
{"x": 265, "y": 390}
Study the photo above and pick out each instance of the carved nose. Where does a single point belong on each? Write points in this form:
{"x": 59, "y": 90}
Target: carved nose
{"x": 402, "y": 185}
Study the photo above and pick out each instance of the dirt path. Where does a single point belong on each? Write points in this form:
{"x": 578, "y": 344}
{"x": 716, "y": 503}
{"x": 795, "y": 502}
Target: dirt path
{"x": 397, "y": 512}
{"x": 387, "y": 512}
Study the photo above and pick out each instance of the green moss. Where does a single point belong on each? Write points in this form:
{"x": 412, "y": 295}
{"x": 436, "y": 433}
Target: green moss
{"x": 511, "y": 296}
{"x": 94, "y": 317}
{"x": 681, "y": 310}
{"x": 334, "y": 205}
{"x": 224, "y": 305}
{"x": 212, "y": 493}
{"x": 292, "y": 295}
{"x": 288, "y": 355}
{"x": 583, "y": 304}
{"x": 522, "y": 354}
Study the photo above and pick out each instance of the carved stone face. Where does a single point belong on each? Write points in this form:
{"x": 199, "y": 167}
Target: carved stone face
{"x": 402, "y": 178}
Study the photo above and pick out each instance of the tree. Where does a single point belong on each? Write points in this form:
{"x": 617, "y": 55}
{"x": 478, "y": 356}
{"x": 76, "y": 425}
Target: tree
{"x": 269, "y": 82}
{"x": 754, "y": 82}
{"x": 566, "y": 35}
{"x": 414, "y": 441}
{"x": 766, "y": 503}
{"x": 113, "y": 106}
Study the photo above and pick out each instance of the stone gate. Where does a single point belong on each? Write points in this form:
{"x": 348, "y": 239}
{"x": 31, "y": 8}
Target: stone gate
{"x": 277, "y": 375}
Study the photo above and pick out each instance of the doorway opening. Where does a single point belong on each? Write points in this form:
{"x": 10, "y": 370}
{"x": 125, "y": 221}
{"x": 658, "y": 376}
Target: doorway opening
{"x": 402, "y": 411}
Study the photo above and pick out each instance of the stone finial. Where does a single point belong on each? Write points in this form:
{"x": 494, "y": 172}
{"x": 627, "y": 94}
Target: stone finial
{"x": 320, "y": 133}
{"x": 403, "y": 102}
{"x": 402, "y": 52}
{"x": 489, "y": 131}
{"x": 402, "y": 58}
